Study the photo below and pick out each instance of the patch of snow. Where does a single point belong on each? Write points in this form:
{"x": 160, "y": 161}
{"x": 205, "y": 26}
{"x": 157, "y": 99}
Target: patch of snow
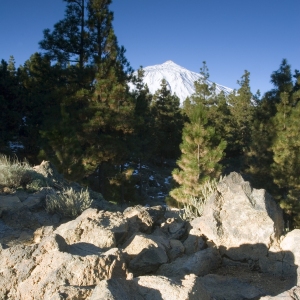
{"x": 179, "y": 80}
{"x": 15, "y": 146}
{"x": 151, "y": 178}
{"x": 167, "y": 179}
{"x": 135, "y": 172}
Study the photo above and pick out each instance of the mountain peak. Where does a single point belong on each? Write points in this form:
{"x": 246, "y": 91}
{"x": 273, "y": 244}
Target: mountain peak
{"x": 169, "y": 62}
{"x": 180, "y": 80}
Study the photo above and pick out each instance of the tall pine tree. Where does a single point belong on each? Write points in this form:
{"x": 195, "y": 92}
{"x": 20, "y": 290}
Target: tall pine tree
{"x": 168, "y": 122}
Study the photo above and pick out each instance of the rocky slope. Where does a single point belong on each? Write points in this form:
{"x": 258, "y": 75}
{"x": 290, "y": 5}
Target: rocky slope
{"x": 236, "y": 250}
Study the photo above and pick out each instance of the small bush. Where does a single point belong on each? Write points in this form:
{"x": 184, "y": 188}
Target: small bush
{"x": 68, "y": 203}
{"x": 195, "y": 206}
{"x": 14, "y": 173}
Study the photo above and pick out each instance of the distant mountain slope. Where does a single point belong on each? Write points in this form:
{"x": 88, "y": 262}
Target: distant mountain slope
{"x": 180, "y": 80}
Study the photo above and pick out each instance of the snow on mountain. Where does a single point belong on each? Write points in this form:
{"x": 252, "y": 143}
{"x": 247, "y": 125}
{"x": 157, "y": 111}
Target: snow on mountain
{"x": 180, "y": 80}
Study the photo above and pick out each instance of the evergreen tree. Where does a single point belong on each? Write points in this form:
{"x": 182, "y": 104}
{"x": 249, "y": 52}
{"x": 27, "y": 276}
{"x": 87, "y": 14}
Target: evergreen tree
{"x": 204, "y": 92}
{"x": 241, "y": 109}
{"x": 202, "y": 148}
{"x": 260, "y": 154}
{"x": 11, "y": 106}
{"x": 168, "y": 122}
{"x": 69, "y": 40}
{"x": 143, "y": 138}
{"x": 202, "y": 151}
{"x": 286, "y": 153}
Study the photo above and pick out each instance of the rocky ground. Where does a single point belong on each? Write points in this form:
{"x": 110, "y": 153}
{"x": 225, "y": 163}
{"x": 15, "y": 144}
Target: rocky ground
{"x": 236, "y": 250}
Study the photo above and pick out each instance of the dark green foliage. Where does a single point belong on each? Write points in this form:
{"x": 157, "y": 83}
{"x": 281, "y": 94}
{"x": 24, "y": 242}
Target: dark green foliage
{"x": 201, "y": 148}
{"x": 286, "y": 152}
{"x": 241, "y": 110}
{"x": 68, "y": 42}
{"x": 11, "y": 106}
{"x": 202, "y": 151}
{"x": 168, "y": 123}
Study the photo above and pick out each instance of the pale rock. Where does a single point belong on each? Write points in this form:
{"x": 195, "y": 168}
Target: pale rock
{"x": 32, "y": 272}
{"x": 290, "y": 246}
{"x": 42, "y": 232}
{"x": 139, "y": 219}
{"x": 102, "y": 229}
{"x": 174, "y": 229}
{"x": 68, "y": 293}
{"x": 151, "y": 288}
{"x": 194, "y": 242}
{"x": 199, "y": 263}
{"x": 116, "y": 289}
{"x": 237, "y": 215}
{"x": 160, "y": 287}
{"x": 146, "y": 253}
{"x": 226, "y": 288}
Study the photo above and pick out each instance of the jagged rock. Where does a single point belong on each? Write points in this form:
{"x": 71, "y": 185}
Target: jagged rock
{"x": 42, "y": 232}
{"x": 48, "y": 171}
{"x": 290, "y": 245}
{"x": 174, "y": 228}
{"x": 102, "y": 229}
{"x": 139, "y": 218}
{"x": 224, "y": 288}
{"x": 68, "y": 293}
{"x": 199, "y": 263}
{"x": 238, "y": 215}
{"x": 21, "y": 218}
{"x": 176, "y": 249}
{"x": 37, "y": 200}
{"x": 30, "y": 272}
{"x": 115, "y": 289}
{"x": 151, "y": 288}
{"x": 146, "y": 253}
{"x": 9, "y": 203}
{"x": 157, "y": 214}
{"x": 194, "y": 242}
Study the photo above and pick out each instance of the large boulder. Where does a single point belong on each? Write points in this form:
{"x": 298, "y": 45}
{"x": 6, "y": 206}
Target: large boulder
{"x": 290, "y": 246}
{"x": 228, "y": 288}
{"x": 151, "y": 288}
{"x": 146, "y": 253}
{"x": 237, "y": 215}
{"x": 102, "y": 229}
{"x": 41, "y": 270}
{"x": 199, "y": 263}
{"x": 139, "y": 219}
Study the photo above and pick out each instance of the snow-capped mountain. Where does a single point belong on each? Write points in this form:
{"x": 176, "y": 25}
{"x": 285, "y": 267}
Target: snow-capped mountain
{"x": 180, "y": 80}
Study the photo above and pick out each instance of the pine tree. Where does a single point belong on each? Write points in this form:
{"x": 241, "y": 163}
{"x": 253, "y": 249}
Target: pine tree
{"x": 95, "y": 116}
{"x": 69, "y": 40}
{"x": 11, "y": 105}
{"x": 201, "y": 148}
{"x": 286, "y": 152}
{"x": 202, "y": 151}
{"x": 241, "y": 109}
{"x": 168, "y": 122}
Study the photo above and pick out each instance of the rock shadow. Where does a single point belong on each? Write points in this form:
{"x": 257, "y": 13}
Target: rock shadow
{"x": 250, "y": 272}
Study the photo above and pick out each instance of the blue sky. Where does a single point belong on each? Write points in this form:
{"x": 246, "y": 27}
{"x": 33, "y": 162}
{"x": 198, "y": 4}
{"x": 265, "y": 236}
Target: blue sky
{"x": 231, "y": 36}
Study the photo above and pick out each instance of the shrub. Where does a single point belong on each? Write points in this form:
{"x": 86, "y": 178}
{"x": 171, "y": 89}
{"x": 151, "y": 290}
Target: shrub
{"x": 195, "y": 206}
{"x": 14, "y": 173}
{"x": 68, "y": 203}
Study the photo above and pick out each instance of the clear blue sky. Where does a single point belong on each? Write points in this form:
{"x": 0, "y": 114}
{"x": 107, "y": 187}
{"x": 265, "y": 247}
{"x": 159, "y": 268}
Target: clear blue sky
{"x": 230, "y": 35}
